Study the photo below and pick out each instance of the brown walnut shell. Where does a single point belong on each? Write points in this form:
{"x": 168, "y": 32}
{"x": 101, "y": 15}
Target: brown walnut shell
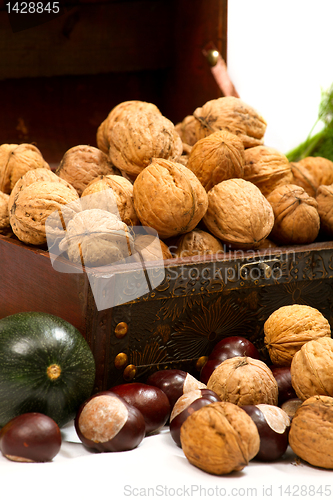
{"x": 316, "y": 171}
{"x": 244, "y": 381}
{"x": 216, "y": 158}
{"x": 311, "y": 431}
{"x": 219, "y": 438}
{"x": 187, "y": 130}
{"x": 324, "y": 198}
{"x": 311, "y": 369}
{"x": 238, "y": 213}
{"x": 139, "y": 136}
{"x": 169, "y": 198}
{"x": 15, "y": 161}
{"x": 121, "y": 190}
{"x": 33, "y": 205}
{"x": 4, "y": 214}
{"x": 81, "y": 164}
{"x": 38, "y": 174}
{"x": 289, "y": 327}
{"x": 102, "y": 136}
{"x": 197, "y": 242}
{"x": 267, "y": 168}
{"x": 96, "y": 237}
{"x": 296, "y": 218}
{"x": 304, "y": 178}
{"x": 231, "y": 114}
{"x": 151, "y": 247}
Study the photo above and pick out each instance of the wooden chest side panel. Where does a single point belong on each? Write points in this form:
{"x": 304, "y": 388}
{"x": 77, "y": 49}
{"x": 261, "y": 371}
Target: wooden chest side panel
{"x": 29, "y": 283}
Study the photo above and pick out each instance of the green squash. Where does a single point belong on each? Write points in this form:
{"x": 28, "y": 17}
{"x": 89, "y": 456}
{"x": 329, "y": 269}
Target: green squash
{"x": 46, "y": 366}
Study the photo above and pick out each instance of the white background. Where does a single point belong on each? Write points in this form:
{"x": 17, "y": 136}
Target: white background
{"x": 280, "y": 56}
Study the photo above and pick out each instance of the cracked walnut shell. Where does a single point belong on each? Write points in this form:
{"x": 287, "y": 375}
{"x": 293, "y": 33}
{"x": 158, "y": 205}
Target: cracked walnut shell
{"x": 296, "y": 218}
{"x": 169, "y": 198}
{"x": 15, "y": 161}
{"x": 289, "y": 327}
{"x": 311, "y": 369}
{"x": 219, "y": 438}
{"x": 238, "y": 213}
{"x": 96, "y": 238}
{"x": 267, "y": 168}
{"x": 81, "y": 164}
{"x": 311, "y": 431}
{"x": 120, "y": 190}
{"x": 243, "y": 380}
{"x": 139, "y": 136}
{"x": 231, "y": 114}
{"x": 34, "y": 204}
{"x": 217, "y": 157}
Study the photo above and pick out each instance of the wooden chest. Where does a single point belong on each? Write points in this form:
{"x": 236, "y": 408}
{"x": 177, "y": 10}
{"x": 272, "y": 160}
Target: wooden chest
{"x": 60, "y": 80}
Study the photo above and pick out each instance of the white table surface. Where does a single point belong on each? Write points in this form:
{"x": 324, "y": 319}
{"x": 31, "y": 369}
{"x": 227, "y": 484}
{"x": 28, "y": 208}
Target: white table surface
{"x": 156, "y": 469}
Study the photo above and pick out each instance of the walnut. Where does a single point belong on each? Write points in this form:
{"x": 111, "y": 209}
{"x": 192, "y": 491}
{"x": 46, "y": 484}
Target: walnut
{"x": 311, "y": 431}
{"x": 315, "y": 171}
{"x": 219, "y": 438}
{"x": 4, "y": 214}
{"x": 103, "y": 131}
{"x": 324, "y": 198}
{"x": 303, "y": 178}
{"x": 139, "y": 136}
{"x": 34, "y": 204}
{"x": 151, "y": 248}
{"x": 196, "y": 243}
{"x": 81, "y": 164}
{"x": 121, "y": 191}
{"x": 244, "y": 381}
{"x": 169, "y": 198}
{"x": 289, "y": 327}
{"x": 38, "y": 174}
{"x": 231, "y": 114}
{"x": 311, "y": 368}
{"x": 15, "y": 161}
{"x": 187, "y": 130}
{"x": 267, "y": 168}
{"x": 238, "y": 213}
{"x": 297, "y": 221}
{"x": 96, "y": 238}
{"x": 217, "y": 157}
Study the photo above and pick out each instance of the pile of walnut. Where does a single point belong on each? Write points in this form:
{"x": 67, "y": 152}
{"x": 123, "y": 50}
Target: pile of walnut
{"x": 202, "y": 185}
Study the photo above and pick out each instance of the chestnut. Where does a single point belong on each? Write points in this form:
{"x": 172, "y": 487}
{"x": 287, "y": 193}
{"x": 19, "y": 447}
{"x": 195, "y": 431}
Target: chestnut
{"x": 230, "y": 347}
{"x": 152, "y": 402}
{"x": 208, "y": 369}
{"x": 106, "y": 422}
{"x": 30, "y": 437}
{"x": 283, "y": 378}
{"x": 185, "y": 406}
{"x": 174, "y": 383}
{"x": 273, "y": 425}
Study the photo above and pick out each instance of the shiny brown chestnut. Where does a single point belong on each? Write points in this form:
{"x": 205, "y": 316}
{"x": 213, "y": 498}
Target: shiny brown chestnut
{"x": 283, "y": 378}
{"x": 290, "y": 406}
{"x": 230, "y": 347}
{"x": 106, "y": 422}
{"x": 184, "y": 407}
{"x": 208, "y": 369}
{"x": 30, "y": 437}
{"x": 152, "y": 402}
{"x": 273, "y": 425}
{"x": 174, "y": 383}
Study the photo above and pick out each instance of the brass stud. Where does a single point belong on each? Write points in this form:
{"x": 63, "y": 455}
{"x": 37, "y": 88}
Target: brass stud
{"x": 121, "y": 330}
{"x": 129, "y": 372}
{"x": 120, "y": 360}
{"x": 201, "y": 362}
